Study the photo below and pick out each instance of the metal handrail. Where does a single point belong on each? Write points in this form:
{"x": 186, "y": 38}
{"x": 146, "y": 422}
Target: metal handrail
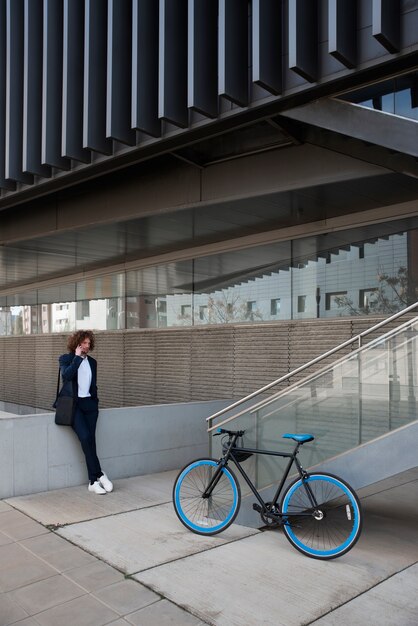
{"x": 317, "y": 359}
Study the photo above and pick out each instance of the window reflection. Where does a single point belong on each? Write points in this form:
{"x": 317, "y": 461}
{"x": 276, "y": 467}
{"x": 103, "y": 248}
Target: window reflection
{"x": 373, "y": 270}
{"x": 398, "y": 96}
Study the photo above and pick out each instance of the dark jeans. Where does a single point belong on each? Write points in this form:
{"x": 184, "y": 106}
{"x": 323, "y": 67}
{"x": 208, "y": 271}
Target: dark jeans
{"x": 84, "y": 424}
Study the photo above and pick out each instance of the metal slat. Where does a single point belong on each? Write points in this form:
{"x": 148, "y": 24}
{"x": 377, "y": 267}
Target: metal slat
{"x": 342, "y": 34}
{"x": 387, "y": 23}
{"x": 145, "y": 67}
{"x": 95, "y": 77}
{"x": 52, "y": 87}
{"x": 73, "y": 82}
{"x": 267, "y": 45}
{"x": 203, "y": 57}
{"x": 4, "y": 184}
{"x": 172, "y": 73}
{"x": 119, "y": 64}
{"x": 303, "y": 38}
{"x": 14, "y": 93}
{"x": 233, "y": 51}
{"x": 32, "y": 89}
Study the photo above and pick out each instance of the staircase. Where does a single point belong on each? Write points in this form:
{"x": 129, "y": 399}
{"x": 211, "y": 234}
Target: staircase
{"x": 352, "y": 406}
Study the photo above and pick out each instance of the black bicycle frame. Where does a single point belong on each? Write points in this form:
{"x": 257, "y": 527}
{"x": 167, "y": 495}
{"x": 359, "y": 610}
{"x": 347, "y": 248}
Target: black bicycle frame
{"x": 292, "y": 460}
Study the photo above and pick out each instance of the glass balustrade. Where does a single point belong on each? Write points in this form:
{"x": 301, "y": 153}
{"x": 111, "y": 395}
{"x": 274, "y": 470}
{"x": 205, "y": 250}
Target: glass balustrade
{"x": 362, "y": 396}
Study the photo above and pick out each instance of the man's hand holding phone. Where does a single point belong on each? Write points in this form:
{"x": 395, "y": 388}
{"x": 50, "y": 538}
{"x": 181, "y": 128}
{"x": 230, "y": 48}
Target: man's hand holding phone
{"x": 79, "y": 352}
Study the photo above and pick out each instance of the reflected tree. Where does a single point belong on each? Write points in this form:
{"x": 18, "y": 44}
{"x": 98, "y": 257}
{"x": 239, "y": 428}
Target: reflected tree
{"x": 392, "y": 294}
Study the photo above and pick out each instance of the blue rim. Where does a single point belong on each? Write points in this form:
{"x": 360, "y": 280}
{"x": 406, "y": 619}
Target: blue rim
{"x": 179, "y": 509}
{"x": 356, "y": 524}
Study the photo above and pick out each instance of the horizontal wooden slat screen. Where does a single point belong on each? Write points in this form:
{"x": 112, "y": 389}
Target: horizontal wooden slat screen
{"x": 177, "y": 365}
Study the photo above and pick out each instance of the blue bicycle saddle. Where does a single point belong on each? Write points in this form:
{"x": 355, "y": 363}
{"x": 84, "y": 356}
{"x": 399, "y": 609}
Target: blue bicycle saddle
{"x": 303, "y": 438}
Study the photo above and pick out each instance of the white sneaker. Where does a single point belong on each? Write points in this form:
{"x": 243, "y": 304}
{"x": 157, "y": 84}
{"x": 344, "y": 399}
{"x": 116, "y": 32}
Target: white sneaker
{"x": 105, "y": 483}
{"x": 97, "y": 488}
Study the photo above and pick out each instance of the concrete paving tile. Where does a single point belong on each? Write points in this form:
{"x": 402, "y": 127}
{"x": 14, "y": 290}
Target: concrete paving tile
{"x": 12, "y": 555}
{"x": 126, "y": 596}
{"x": 29, "y": 621}
{"x": 93, "y": 576}
{"x": 76, "y": 504}
{"x": 84, "y": 611}
{"x": 25, "y": 574}
{"x": 163, "y": 613}
{"x": 19, "y": 526}
{"x": 394, "y": 601}
{"x": 45, "y": 594}
{"x": 265, "y": 571}
{"x": 9, "y": 611}
{"x": 141, "y": 539}
{"x": 4, "y": 506}
{"x": 45, "y": 545}
{"x": 4, "y": 539}
{"x": 58, "y": 552}
{"x": 70, "y": 558}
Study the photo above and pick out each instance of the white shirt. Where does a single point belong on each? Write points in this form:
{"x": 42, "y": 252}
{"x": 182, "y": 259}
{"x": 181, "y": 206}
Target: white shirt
{"x": 84, "y": 379}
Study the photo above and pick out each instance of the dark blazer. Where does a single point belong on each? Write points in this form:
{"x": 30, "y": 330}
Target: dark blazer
{"x": 69, "y": 364}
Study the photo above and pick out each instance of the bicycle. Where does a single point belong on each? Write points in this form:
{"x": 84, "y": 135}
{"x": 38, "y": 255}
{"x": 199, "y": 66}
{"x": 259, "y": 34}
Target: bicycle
{"x": 320, "y": 513}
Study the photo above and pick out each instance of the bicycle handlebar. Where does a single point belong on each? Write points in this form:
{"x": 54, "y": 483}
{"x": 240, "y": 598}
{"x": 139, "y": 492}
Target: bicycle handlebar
{"x": 231, "y": 433}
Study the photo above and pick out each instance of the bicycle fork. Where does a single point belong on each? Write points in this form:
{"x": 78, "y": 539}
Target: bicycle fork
{"x": 213, "y": 482}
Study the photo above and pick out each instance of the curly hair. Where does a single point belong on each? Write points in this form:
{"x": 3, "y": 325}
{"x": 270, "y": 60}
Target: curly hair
{"x": 76, "y": 338}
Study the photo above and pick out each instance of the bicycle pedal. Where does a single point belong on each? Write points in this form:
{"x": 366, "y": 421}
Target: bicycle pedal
{"x": 257, "y": 507}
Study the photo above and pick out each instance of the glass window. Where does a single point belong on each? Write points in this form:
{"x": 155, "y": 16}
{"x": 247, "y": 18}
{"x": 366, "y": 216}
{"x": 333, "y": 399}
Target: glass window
{"x": 351, "y": 272}
{"x": 334, "y": 300}
{"x": 368, "y": 298}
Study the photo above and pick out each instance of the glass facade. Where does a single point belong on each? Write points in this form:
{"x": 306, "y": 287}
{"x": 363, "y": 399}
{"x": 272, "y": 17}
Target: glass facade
{"x": 397, "y": 96}
{"x": 370, "y": 270}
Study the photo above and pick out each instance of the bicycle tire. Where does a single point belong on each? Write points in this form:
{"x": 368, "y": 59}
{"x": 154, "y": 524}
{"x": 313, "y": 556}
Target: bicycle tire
{"x": 335, "y": 527}
{"x": 206, "y": 516}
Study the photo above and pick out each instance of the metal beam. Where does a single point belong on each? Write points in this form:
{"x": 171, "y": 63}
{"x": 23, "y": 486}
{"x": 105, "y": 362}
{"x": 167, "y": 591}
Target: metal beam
{"x": 119, "y": 72}
{"x": 203, "y": 57}
{"x": 95, "y": 78}
{"x": 173, "y": 62}
{"x": 52, "y": 87}
{"x": 303, "y": 38}
{"x": 145, "y": 67}
{"x": 267, "y": 45}
{"x": 389, "y": 131}
{"x": 32, "y": 89}
{"x": 387, "y": 23}
{"x": 14, "y": 93}
{"x": 73, "y": 82}
{"x": 342, "y": 31}
{"x": 4, "y": 183}
{"x": 233, "y": 51}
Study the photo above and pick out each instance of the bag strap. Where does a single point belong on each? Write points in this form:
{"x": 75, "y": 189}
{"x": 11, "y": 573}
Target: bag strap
{"x": 58, "y": 382}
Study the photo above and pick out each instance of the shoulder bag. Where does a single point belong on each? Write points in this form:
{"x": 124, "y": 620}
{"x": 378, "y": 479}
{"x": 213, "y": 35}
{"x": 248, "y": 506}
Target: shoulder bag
{"x": 64, "y": 407}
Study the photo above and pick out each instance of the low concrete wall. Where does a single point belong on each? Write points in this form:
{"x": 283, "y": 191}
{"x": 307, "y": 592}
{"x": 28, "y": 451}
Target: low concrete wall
{"x": 376, "y": 460}
{"x": 36, "y": 455}
{"x": 379, "y": 459}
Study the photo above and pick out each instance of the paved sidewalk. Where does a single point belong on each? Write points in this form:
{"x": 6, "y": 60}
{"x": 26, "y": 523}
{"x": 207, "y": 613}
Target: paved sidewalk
{"x": 68, "y": 556}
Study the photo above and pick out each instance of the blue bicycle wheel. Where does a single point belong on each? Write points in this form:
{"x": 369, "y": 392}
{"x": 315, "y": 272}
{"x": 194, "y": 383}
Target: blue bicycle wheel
{"x": 214, "y": 513}
{"x": 328, "y": 529}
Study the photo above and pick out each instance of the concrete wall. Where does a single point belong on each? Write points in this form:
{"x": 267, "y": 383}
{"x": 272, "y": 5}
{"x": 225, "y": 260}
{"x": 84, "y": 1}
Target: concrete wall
{"x": 386, "y": 456}
{"x": 145, "y": 367}
{"x": 36, "y": 455}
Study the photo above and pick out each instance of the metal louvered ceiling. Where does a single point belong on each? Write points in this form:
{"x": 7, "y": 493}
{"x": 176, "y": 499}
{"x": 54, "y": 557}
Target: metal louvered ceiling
{"x": 85, "y": 81}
